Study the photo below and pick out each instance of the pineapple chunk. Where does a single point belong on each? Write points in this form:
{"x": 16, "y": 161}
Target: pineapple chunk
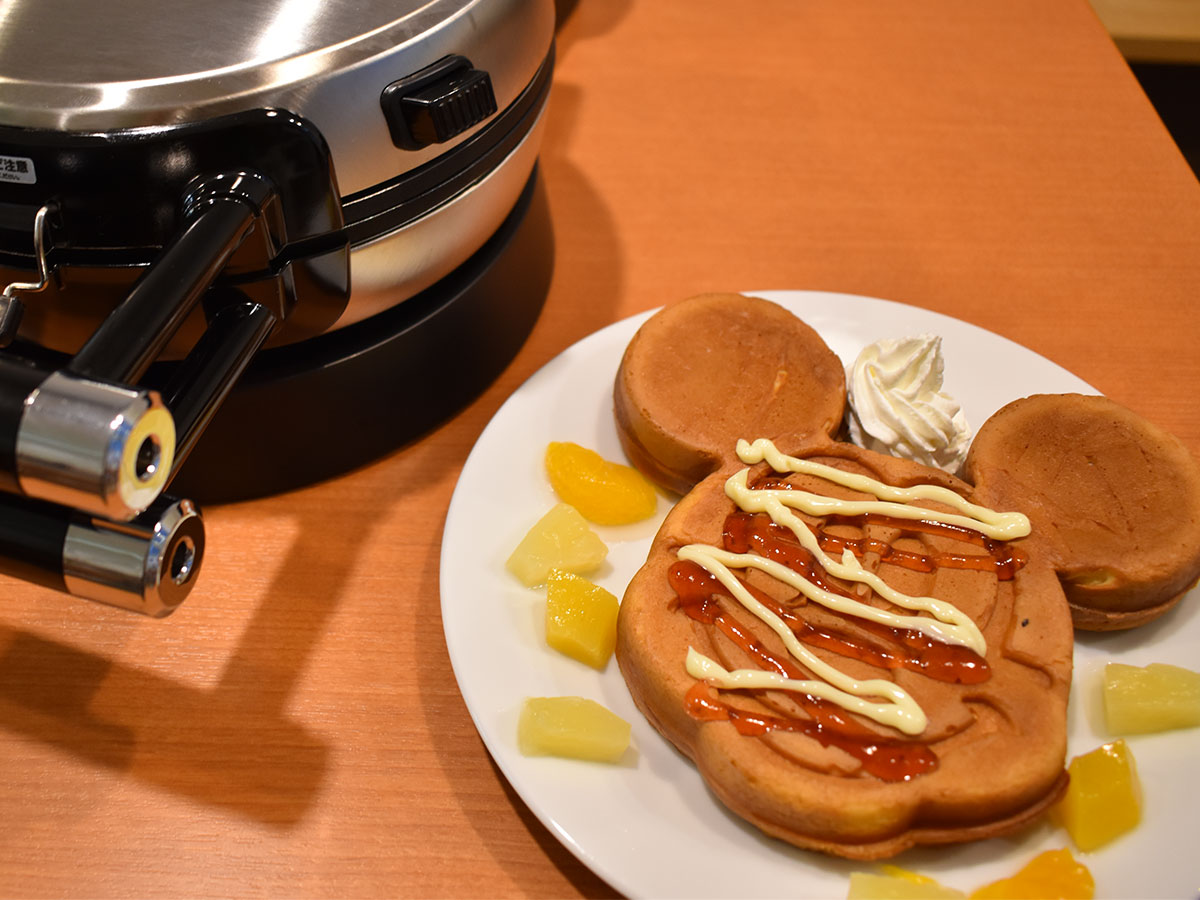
{"x": 894, "y": 883}
{"x": 1054, "y": 873}
{"x": 604, "y": 492}
{"x": 574, "y": 727}
{"x": 1156, "y": 698}
{"x": 560, "y": 539}
{"x": 581, "y": 619}
{"x": 1103, "y": 800}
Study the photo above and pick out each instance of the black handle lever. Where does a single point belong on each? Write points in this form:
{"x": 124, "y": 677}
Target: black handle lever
{"x": 82, "y": 436}
{"x": 80, "y": 449}
{"x": 219, "y": 212}
{"x": 148, "y": 565}
{"x": 236, "y": 330}
{"x": 86, "y": 444}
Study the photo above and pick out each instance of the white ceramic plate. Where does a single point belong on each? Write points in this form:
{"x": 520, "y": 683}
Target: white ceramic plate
{"x": 649, "y": 826}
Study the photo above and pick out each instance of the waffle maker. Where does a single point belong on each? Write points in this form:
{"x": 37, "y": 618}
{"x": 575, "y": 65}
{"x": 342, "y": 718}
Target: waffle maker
{"x": 243, "y": 248}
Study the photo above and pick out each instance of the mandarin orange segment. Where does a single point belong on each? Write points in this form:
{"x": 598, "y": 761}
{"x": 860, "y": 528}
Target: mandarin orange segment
{"x": 604, "y": 492}
{"x": 1053, "y": 875}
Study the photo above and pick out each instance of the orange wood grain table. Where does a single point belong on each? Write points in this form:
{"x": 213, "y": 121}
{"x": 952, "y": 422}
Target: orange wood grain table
{"x": 294, "y": 730}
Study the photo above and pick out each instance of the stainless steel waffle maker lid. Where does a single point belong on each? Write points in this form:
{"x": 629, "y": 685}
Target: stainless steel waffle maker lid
{"x": 67, "y": 66}
{"x": 255, "y": 230}
{"x": 112, "y": 108}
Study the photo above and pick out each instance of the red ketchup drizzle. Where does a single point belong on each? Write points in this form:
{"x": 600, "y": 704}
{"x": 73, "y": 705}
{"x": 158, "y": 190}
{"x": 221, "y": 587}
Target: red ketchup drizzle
{"x": 909, "y": 649}
{"x": 885, "y": 759}
{"x": 889, "y": 760}
{"x": 1002, "y": 558}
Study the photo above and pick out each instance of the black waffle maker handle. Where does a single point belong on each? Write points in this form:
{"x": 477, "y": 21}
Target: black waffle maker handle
{"x": 238, "y": 217}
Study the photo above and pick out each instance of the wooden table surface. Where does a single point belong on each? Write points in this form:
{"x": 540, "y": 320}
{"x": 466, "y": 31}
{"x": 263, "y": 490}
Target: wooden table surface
{"x": 294, "y": 730}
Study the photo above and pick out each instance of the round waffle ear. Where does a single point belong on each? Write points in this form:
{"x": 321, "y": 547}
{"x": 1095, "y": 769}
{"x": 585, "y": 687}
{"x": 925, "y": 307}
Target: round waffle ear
{"x": 1113, "y": 499}
{"x": 704, "y": 372}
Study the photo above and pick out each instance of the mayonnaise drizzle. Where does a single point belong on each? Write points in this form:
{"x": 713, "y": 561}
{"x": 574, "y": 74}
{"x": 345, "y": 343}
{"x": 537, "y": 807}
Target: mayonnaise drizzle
{"x": 1005, "y": 526}
{"x": 900, "y": 710}
{"x": 944, "y": 622}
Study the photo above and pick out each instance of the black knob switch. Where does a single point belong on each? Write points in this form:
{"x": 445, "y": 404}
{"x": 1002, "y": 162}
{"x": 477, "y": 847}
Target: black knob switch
{"x": 437, "y": 103}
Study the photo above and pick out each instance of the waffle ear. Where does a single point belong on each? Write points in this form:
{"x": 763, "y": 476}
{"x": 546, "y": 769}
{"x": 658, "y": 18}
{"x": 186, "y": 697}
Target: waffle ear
{"x": 704, "y": 372}
{"x": 1114, "y": 501}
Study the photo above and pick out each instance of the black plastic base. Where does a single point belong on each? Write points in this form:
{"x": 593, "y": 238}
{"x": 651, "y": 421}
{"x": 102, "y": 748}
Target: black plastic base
{"x": 312, "y": 410}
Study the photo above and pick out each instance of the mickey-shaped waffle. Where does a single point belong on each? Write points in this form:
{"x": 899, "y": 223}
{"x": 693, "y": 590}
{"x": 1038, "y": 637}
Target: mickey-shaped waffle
{"x": 859, "y": 653}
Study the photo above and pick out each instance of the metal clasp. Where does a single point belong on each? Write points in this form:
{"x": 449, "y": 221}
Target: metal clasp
{"x": 11, "y": 307}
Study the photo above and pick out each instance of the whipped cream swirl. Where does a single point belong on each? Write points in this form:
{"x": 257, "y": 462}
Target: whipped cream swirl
{"x": 897, "y": 405}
